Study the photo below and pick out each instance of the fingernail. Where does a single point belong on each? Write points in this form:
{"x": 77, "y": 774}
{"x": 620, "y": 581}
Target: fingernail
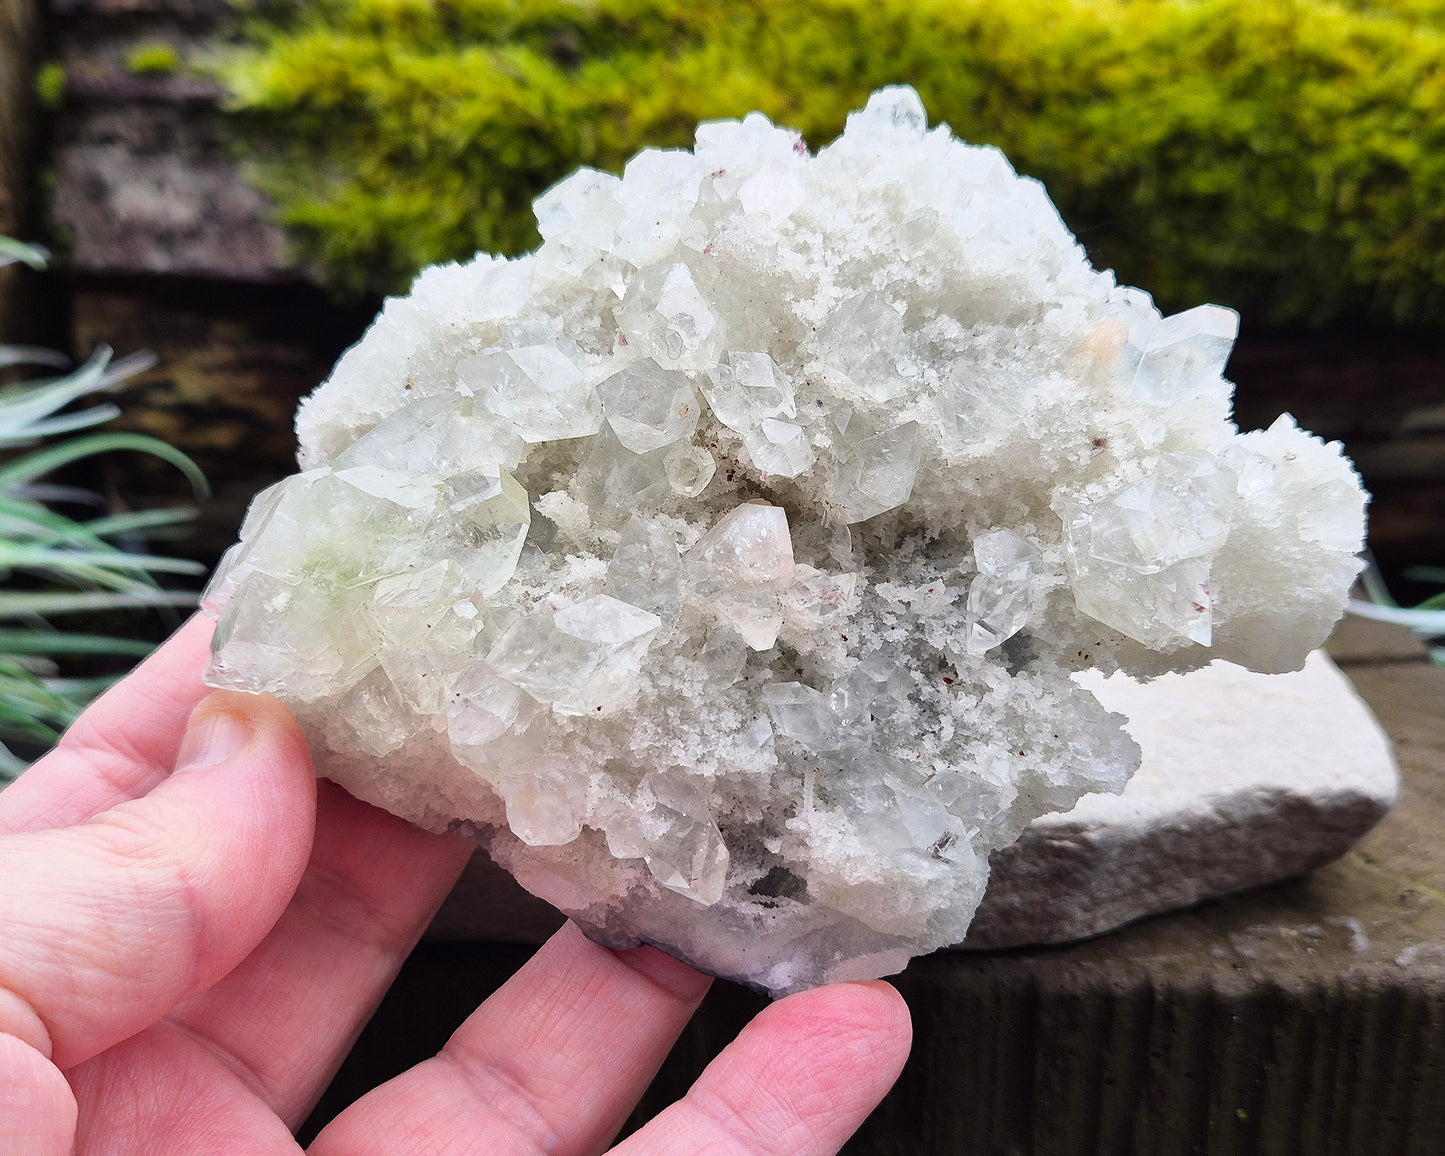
{"x": 212, "y": 737}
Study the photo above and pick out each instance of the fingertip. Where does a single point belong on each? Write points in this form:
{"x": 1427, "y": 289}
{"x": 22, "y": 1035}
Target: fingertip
{"x": 37, "y": 1109}
{"x": 245, "y": 756}
{"x": 880, "y": 998}
{"x": 865, "y": 1016}
{"x": 883, "y": 1015}
{"x": 683, "y": 983}
{"x": 225, "y": 721}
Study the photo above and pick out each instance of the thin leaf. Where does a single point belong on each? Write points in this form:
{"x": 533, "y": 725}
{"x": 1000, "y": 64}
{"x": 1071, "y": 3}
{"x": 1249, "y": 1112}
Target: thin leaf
{"x": 13, "y": 251}
{"x": 70, "y": 422}
{"x": 42, "y": 462}
{"x": 51, "y": 642}
{"x": 22, "y": 691}
{"x": 14, "y": 605}
{"x": 26, "y": 519}
{"x": 63, "y": 561}
{"x": 1424, "y": 573}
{"x": 1425, "y": 623}
{"x": 32, "y": 355}
{"x": 42, "y": 492}
{"x": 140, "y": 522}
{"x": 82, "y": 690}
{"x": 23, "y": 403}
{"x": 127, "y": 366}
{"x": 16, "y": 723}
{"x": 1374, "y": 583}
{"x": 10, "y": 766}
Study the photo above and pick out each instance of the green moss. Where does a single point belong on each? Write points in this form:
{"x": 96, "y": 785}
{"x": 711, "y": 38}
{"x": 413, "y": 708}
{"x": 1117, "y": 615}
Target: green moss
{"x": 50, "y": 85}
{"x": 154, "y": 59}
{"x": 1284, "y": 157}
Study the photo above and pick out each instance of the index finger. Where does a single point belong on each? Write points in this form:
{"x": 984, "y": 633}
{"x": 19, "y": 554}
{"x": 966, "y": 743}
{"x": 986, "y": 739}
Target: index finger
{"x": 123, "y": 745}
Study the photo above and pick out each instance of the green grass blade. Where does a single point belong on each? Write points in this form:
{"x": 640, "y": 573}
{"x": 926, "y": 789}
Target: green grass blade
{"x": 139, "y": 522}
{"x": 55, "y": 642}
{"x": 32, "y": 355}
{"x": 82, "y": 690}
{"x": 70, "y": 422}
{"x": 51, "y": 492}
{"x": 1424, "y": 573}
{"x": 1423, "y": 623}
{"x": 21, "y": 690}
{"x": 43, "y": 461}
{"x": 24, "y": 519}
{"x": 22, "y": 404}
{"x": 13, "y": 251}
{"x": 67, "y": 561}
{"x": 17, "y": 724}
{"x": 15, "y": 605}
{"x": 10, "y": 766}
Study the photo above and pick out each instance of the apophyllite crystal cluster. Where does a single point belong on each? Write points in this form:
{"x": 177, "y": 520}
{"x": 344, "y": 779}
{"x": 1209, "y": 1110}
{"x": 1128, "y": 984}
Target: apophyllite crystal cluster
{"x": 723, "y": 564}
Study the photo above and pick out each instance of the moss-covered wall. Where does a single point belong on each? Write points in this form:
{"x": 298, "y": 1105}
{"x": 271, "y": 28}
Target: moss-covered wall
{"x": 1284, "y": 156}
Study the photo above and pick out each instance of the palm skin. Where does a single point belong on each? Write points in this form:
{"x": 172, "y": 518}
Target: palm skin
{"x": 196, "y": 930}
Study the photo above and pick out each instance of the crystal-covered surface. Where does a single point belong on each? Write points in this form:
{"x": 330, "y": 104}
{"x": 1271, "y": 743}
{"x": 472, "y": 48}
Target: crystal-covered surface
{"x": 723, "y": 564}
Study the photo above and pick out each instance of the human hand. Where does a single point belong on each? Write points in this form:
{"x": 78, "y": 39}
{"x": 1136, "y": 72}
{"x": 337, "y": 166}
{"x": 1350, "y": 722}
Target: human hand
{"x": 193, "y": 930}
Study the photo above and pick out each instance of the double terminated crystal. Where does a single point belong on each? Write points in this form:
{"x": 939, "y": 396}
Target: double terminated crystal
{"x": 723, "y": 564}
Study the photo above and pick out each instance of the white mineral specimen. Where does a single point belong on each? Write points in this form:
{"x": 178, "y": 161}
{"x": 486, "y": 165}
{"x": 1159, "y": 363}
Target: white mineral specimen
{"x": 723, "y": 564}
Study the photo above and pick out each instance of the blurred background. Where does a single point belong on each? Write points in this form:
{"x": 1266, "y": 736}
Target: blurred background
{"x": 234, "y": 187}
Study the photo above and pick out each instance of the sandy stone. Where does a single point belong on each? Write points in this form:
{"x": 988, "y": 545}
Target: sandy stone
{"x": 1246, "y": 779}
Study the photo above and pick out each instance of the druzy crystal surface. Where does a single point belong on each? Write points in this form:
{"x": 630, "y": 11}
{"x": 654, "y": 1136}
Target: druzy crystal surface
{"x": 723, "y": 564}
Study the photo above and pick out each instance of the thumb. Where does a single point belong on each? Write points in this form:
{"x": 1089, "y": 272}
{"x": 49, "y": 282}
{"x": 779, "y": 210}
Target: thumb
{"x": 105, "y": 926}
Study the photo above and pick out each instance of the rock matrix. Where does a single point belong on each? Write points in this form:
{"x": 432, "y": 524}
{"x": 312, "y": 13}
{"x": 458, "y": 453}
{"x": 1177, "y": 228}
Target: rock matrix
{"x": 723, "y": 564}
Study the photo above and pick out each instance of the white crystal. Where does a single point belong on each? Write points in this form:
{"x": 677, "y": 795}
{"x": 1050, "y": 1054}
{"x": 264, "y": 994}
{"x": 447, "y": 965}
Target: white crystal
{"x": 803, "y": 714}
{"x": 1000, "y": 596}
{"x": 538, "y": 389}
{"x": 746, "y": 389}
{"x": 779, "y": 447}
{"x": 863, "y": 346}
{"x": 378, "y": 720}
{"x": 649, "y": 407}
{"x": 646, "y": 570}
{"x": 725, "y": 563}
{"x": 482, "y": 522}
{"x": 578, "y": 658}
{"x": 1180, "y": 356}
{"x": 614, "y": 481}
{"x": 817, "y": 595}
{"x": 666, "y": 317}
{"x": 747, "y": 550}
{"x": 687, "y": 854}
{"x": 879, "y": 686}
{"x": 723, "y": 658}
{"x": 1140, "y": 557}
{"x": 542, "y": 810}
{"x": 689, "y": 469}
{"x": 878, "y": 472}
{"x": 481, "y": 706}
{"x": 441, "y": 435}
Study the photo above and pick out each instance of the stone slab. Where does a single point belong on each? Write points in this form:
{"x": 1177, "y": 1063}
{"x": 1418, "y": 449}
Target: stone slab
{"x": 1246, "y": 779}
